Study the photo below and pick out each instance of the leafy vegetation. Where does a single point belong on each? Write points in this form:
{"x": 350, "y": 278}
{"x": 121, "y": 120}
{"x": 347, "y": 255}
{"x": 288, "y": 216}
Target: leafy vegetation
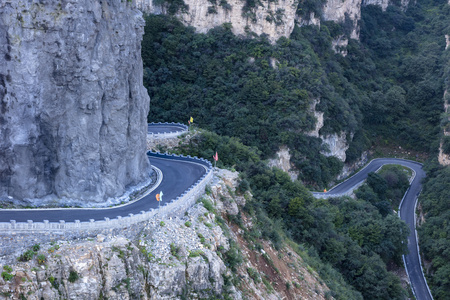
{"x": 27, "y": 255}
{"x": 73, "y": 276}
{"x": 343, "y": 234}
{"x": 386, "y": 189}
{"x": 41, "y": 259}
{"x": 254, "y": 96}
{"x": 227, "y": 83}
{"x": 172, "y": 6}
{"x": 434, "y": 233}
{"x": 262, "y": 93}
{"x": 406, "y": 50}
{"x": 6, "y": 275}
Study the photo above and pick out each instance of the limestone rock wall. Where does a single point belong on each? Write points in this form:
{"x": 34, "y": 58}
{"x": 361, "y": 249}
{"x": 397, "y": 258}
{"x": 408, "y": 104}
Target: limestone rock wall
{"x": 337, "y": 10}
{"x": 73, "y": 106}
{"x": 336, "y": 143}
{"x": 385, "y": 3}
{"x": 273, "y": 18}
{"x": 276, "y": 19}
{"x": 444, "y": 159}
{"x": 282, "y": 161}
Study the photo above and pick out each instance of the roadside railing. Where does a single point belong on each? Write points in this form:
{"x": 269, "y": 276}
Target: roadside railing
{"x": 178, "y": 129}
{"x": 173, "y": 208}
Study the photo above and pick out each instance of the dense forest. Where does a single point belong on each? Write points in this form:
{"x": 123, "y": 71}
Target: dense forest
{"x": 352, "y": 240}
{"x": 254, "y": 96}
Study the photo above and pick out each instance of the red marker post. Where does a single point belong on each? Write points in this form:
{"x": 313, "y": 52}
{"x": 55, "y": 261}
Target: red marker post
{"x": 216, "y": 158}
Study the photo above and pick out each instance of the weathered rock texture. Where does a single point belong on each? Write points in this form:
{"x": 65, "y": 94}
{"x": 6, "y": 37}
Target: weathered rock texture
{"x": 336, "y": 143}
{"x": 73, "y": 106}
{"x": 275, "y": 19}
{"x": 282, "y": 161}
{"x": 385, "y": 3}
{"x": 339, "y": 10}
{"x": 177, "y": 258}
{"x": 443, "y": 158}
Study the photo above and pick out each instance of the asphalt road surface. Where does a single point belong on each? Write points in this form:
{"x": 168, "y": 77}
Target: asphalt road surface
{"x": 407, "y": 213}
{"x": 164, "y": 128}
{"x": 178, "y": 176}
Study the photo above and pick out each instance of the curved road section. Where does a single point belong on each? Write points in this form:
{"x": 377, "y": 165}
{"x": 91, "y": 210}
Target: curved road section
{"x": 179, "y": 174}
{"x": 166, "y": 128}
{"x": 406, "y": 212}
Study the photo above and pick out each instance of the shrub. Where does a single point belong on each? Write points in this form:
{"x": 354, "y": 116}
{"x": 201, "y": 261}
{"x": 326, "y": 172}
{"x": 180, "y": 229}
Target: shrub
{"x": 27, "y": 255}
{"x": 73, "y": 276}
{"x": 233, "y": 256}
{"x": 41, "y": 259}
{"x": 162, "y": 224}
{"x": 188, "y": 224}
{"x": 244, "y": 186}
{"x": 208, "y": 190}
{"x": 254, "y": 275}
{"x": 6, "y": 276}
{"x": 446, "y": 144}
{"x": 36, "y": 247}
{"x": 195, "y": 253}
{"x": 208, "y": 205}
{"x": 54, "y": 282}
{"x": 174, "y": 250}
{"x": 7, "y": 268}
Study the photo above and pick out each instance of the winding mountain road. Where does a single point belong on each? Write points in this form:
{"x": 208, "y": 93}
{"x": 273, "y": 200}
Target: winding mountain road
{"x": 406, "y": 213}
{"x": 181, "y": 173}
{"x": 178, "y": 176}
{"x": 156, "y": 128}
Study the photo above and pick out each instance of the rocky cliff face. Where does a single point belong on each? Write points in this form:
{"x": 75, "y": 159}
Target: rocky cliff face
{"x": 385, "y": 3}
{"x": 282, "y": 161}
{"x": 336, "y": 143}
{"x": 73, "y": 106}
{"x": 273, "y": 18}
{"x": 339, "y": 10}
{"x": 443, "y": 158}
{"x": 276, "y": 19}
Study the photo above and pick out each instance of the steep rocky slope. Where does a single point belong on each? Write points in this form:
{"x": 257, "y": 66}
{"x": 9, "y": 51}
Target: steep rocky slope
{"x": 73, "y": 106}
{"x": 198, "y": 256}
